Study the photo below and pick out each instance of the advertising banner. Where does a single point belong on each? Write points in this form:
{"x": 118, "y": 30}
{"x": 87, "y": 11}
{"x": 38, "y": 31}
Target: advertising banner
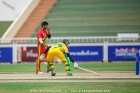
{"x": 86, "y": 53}
{"x": 29, "y": 54}
{"x": 6, "y": 54}
{"x": 79, "y": 53}
{"x": 122, "y": 53}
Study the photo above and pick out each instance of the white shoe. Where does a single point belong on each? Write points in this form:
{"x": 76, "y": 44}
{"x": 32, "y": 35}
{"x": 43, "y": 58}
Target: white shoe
{"x": 42, "y": 57}
{"x": 40, "y": 73}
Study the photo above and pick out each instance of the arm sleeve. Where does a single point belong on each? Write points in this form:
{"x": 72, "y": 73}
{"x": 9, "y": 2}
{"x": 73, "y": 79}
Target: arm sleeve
{"x": 40, "y": 40}
{"x": 47, "y": 50}
{"x": 71, "y": 59}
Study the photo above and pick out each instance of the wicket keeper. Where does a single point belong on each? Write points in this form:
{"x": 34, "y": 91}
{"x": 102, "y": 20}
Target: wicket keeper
{"x": 60, "y": 51}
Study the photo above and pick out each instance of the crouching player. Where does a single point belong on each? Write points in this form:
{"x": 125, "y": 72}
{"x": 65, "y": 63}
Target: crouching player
{"x": 60, "y": 51}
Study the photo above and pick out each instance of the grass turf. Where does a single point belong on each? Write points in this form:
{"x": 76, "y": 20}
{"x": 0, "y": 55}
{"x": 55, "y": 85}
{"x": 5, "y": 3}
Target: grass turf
{"x": 75, "y": 87}
{"x": 62, "y": 87}
{"x": 4, "y": 26}
{"x": 95, "y": 66}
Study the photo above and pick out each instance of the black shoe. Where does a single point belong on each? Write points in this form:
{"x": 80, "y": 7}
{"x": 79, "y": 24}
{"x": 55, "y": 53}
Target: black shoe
{"x": 69, "y": 75}
{"x": 53, "y": 73}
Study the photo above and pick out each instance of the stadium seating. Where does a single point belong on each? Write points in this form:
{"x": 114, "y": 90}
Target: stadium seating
{"x": 93, "y": 17}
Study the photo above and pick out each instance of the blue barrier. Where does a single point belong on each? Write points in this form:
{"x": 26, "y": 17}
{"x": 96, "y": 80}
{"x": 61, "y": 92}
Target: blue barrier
{"x": 122, "y": 53}
{"x": 6, "y": 54}
{"x": 137, "y": 63}
{"x": 86, "y": 53}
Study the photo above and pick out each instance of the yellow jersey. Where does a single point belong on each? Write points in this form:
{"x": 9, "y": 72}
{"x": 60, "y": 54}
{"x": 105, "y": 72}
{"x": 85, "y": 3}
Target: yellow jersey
{"x": 61, "y": 46}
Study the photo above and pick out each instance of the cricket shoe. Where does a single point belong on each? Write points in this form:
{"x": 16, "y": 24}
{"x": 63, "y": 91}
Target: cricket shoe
{"x": 39, "y": 73}
{"x": 69, "y": 73}
{"x": 53, "y": 73}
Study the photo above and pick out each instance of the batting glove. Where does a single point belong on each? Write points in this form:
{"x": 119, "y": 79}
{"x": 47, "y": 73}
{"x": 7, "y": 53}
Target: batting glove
{"x": 75, "y": 65}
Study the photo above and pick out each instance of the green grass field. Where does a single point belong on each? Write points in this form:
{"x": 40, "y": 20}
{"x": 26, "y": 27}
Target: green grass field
{"x": 96, "y": 66}
{"x": 71, "y": 87}
{"x": 4, "y": 26}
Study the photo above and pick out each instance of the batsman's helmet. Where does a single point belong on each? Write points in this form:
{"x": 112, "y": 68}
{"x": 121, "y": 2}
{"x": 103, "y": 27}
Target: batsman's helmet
{"x": 66, "y": 41}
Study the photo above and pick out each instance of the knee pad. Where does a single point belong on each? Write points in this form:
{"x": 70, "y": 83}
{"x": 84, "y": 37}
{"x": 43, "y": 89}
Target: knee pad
{"x": 67, "y": 66}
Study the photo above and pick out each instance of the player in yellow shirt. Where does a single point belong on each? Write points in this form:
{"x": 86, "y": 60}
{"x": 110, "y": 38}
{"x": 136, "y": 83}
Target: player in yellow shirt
{"x": 60, "y": 51}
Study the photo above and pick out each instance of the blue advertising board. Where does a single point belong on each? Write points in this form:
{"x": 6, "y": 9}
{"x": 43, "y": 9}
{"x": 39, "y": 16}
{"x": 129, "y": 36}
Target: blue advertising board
{"x": 6, "y": 54}
{"x": 122, "y": 53}
{"x": 86, "y": 53}
{"x": 137, "y": 62}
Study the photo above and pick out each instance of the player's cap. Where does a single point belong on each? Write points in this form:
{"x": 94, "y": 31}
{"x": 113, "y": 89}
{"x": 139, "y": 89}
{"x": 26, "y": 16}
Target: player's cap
{"x": 66, "y": 41}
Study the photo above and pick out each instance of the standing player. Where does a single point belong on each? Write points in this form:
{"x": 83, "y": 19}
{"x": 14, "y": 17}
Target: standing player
{"x": 42, "y": 35}
{"x": 60, "y": 51}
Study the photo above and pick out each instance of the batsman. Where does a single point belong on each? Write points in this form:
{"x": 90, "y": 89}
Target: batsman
{"x": 60, "y": 51}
